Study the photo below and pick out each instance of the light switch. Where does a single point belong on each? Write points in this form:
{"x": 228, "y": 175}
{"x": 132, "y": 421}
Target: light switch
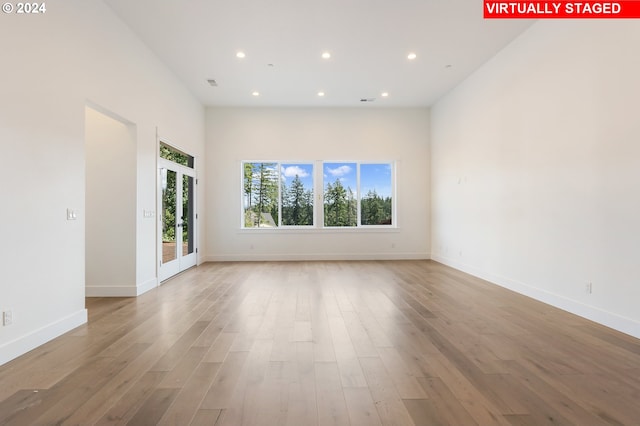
{"x": 71, "y": 214}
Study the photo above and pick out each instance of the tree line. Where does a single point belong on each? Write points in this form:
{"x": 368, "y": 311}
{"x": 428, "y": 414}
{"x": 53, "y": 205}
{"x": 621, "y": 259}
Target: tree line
{"x": 169, "y": 195}
{"x": 340, "y": 202}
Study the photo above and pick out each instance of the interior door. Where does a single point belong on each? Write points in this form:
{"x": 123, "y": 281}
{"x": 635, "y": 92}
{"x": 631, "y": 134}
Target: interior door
{"x": 177, "y": 219}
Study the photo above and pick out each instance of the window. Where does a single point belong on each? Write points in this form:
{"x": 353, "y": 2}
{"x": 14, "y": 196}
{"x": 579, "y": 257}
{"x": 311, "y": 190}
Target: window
{"x": 340, "y": 199}
{"x": 297, "y": 194}
{"x": 358, "y": 194}
{"x": 376, "y": 200}
{"x": 277, "y": 194}
{"x": 280, "y": 195}
{"x": 261, "y": 194}
{"x": 172, "y": 154}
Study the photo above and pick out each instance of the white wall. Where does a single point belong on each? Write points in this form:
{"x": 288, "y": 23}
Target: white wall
{"x": 536, "y": 170}
{"x": 110, "y": 205}
{"x": 360, "y": 134}
{"x": 76, "y": 53}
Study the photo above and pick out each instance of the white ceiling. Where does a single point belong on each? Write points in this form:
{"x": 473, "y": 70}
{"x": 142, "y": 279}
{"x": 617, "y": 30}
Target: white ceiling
{"x": 369, "y": 41}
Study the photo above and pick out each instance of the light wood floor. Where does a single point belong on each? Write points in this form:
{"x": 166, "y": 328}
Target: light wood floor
{"x": 360, "y": 343}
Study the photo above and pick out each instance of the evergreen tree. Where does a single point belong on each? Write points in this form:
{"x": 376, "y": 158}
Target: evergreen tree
{"x": 248, "y": 194}
{"x": 351, "y": 209}
{"x": 261, "y": 193}
{"x": 248, "y": 184}
{"x": 308, "y": 207}
{"x": 296, "y": 201}
{"x": 329, "y": 206}
{"x": 387, "y": 205}
{"x": 297, "y": 204}
{"x": 375, "y": 210}
{"x": 339, "y": 205}
{"x": 169, "y": 193}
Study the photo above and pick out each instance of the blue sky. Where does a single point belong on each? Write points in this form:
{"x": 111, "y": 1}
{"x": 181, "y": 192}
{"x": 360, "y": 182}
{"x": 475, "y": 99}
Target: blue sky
{"x": 372, "y": 177}
{"x": 346, "y": 172}
{"x": 304, "y": 172}
{"x": 375, "y": 176}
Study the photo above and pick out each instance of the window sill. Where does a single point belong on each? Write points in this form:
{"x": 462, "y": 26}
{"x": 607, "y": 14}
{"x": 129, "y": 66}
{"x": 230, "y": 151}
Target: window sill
{"x": 312, "y": 230}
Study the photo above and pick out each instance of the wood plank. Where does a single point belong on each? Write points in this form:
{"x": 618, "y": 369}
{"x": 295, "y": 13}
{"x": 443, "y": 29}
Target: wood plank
{"x": 302, "y": 406}
{"x": 207, "y": 418}
{"x": 359, "y": 337}
{"x": 109, "y": 394}
{"x": 332, "y": 409}
{"x": 423, "y": 412}
{"x": 446, "y": 407}
{"x": 89, "y": 376}
{"x": 302, "y": 331}
{"x": 21, "y": 401}
{"x": 185, "y": 407}
{"x": 154, "y": 407}
{"x": 391, "y": 410}
{"x": 220, "y": 348}
{"x": 243, "y": 404}
{"x": 221, "y": 391}
{"x": 129, "y": 404}
{"x": 362, "y": 410}
{"x": 178, "y": 350}
{"x": 350, "y": 370}
{"x": 273, "y": 397}
{"x": 178, "y": 376}
{"x": 405, "y": 381}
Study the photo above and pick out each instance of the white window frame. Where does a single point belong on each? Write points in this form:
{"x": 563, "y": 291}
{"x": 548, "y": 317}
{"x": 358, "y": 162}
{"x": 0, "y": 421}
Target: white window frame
{"x": 358, "y": 192}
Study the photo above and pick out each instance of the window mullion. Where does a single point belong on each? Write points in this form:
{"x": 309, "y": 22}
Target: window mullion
{"x": 358, "y": 207}
{"x": 279, "y": 171}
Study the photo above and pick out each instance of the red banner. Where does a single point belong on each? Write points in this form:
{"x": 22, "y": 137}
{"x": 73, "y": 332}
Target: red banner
{"x": 494, "y": 9}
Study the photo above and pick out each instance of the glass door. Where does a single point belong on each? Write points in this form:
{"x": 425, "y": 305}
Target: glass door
{"x": 169, "y": 213}
{"x": 177, "y": 227}
{"x": 187, "y": 217}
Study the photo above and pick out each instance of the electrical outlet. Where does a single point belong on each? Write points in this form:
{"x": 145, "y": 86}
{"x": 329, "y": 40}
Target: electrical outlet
{"x": 7, "y": 318}
{"x": 588, "y": 288}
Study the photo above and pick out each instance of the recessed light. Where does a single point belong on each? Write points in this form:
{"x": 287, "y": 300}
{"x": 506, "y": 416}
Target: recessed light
{"x": 411, "y": 56}
{"x": 256, "y": 93}
{"x": 384, "y": 94}
{"x": 321, "y": 94}
{"x": 240, "y": 54}
{"x": 326, "y": 55}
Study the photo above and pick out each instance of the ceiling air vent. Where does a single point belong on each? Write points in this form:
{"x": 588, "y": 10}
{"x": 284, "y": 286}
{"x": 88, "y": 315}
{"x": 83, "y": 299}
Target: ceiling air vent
{"x": 212, "y": 82}
{"x": 367, "y": 99}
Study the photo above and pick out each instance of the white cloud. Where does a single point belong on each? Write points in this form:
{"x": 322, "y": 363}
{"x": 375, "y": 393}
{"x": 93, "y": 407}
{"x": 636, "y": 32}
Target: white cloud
{"x": 292, "y": 171}
{"x": 339, "y": 171}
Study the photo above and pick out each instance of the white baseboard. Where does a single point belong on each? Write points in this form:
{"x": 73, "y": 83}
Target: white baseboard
{"x": 609, "y": 319}
{"x": 120, "y": 290}
{"x": 146, "y": 286}
{"x": 110, "y": 291}
{"x": 32, "y": 340}
{"x": 259, "y": 257}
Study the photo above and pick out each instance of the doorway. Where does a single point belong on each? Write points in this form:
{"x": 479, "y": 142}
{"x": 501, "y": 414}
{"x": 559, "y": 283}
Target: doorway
{"x": 110, "y": 204}
{"x": 177, "y": 207}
